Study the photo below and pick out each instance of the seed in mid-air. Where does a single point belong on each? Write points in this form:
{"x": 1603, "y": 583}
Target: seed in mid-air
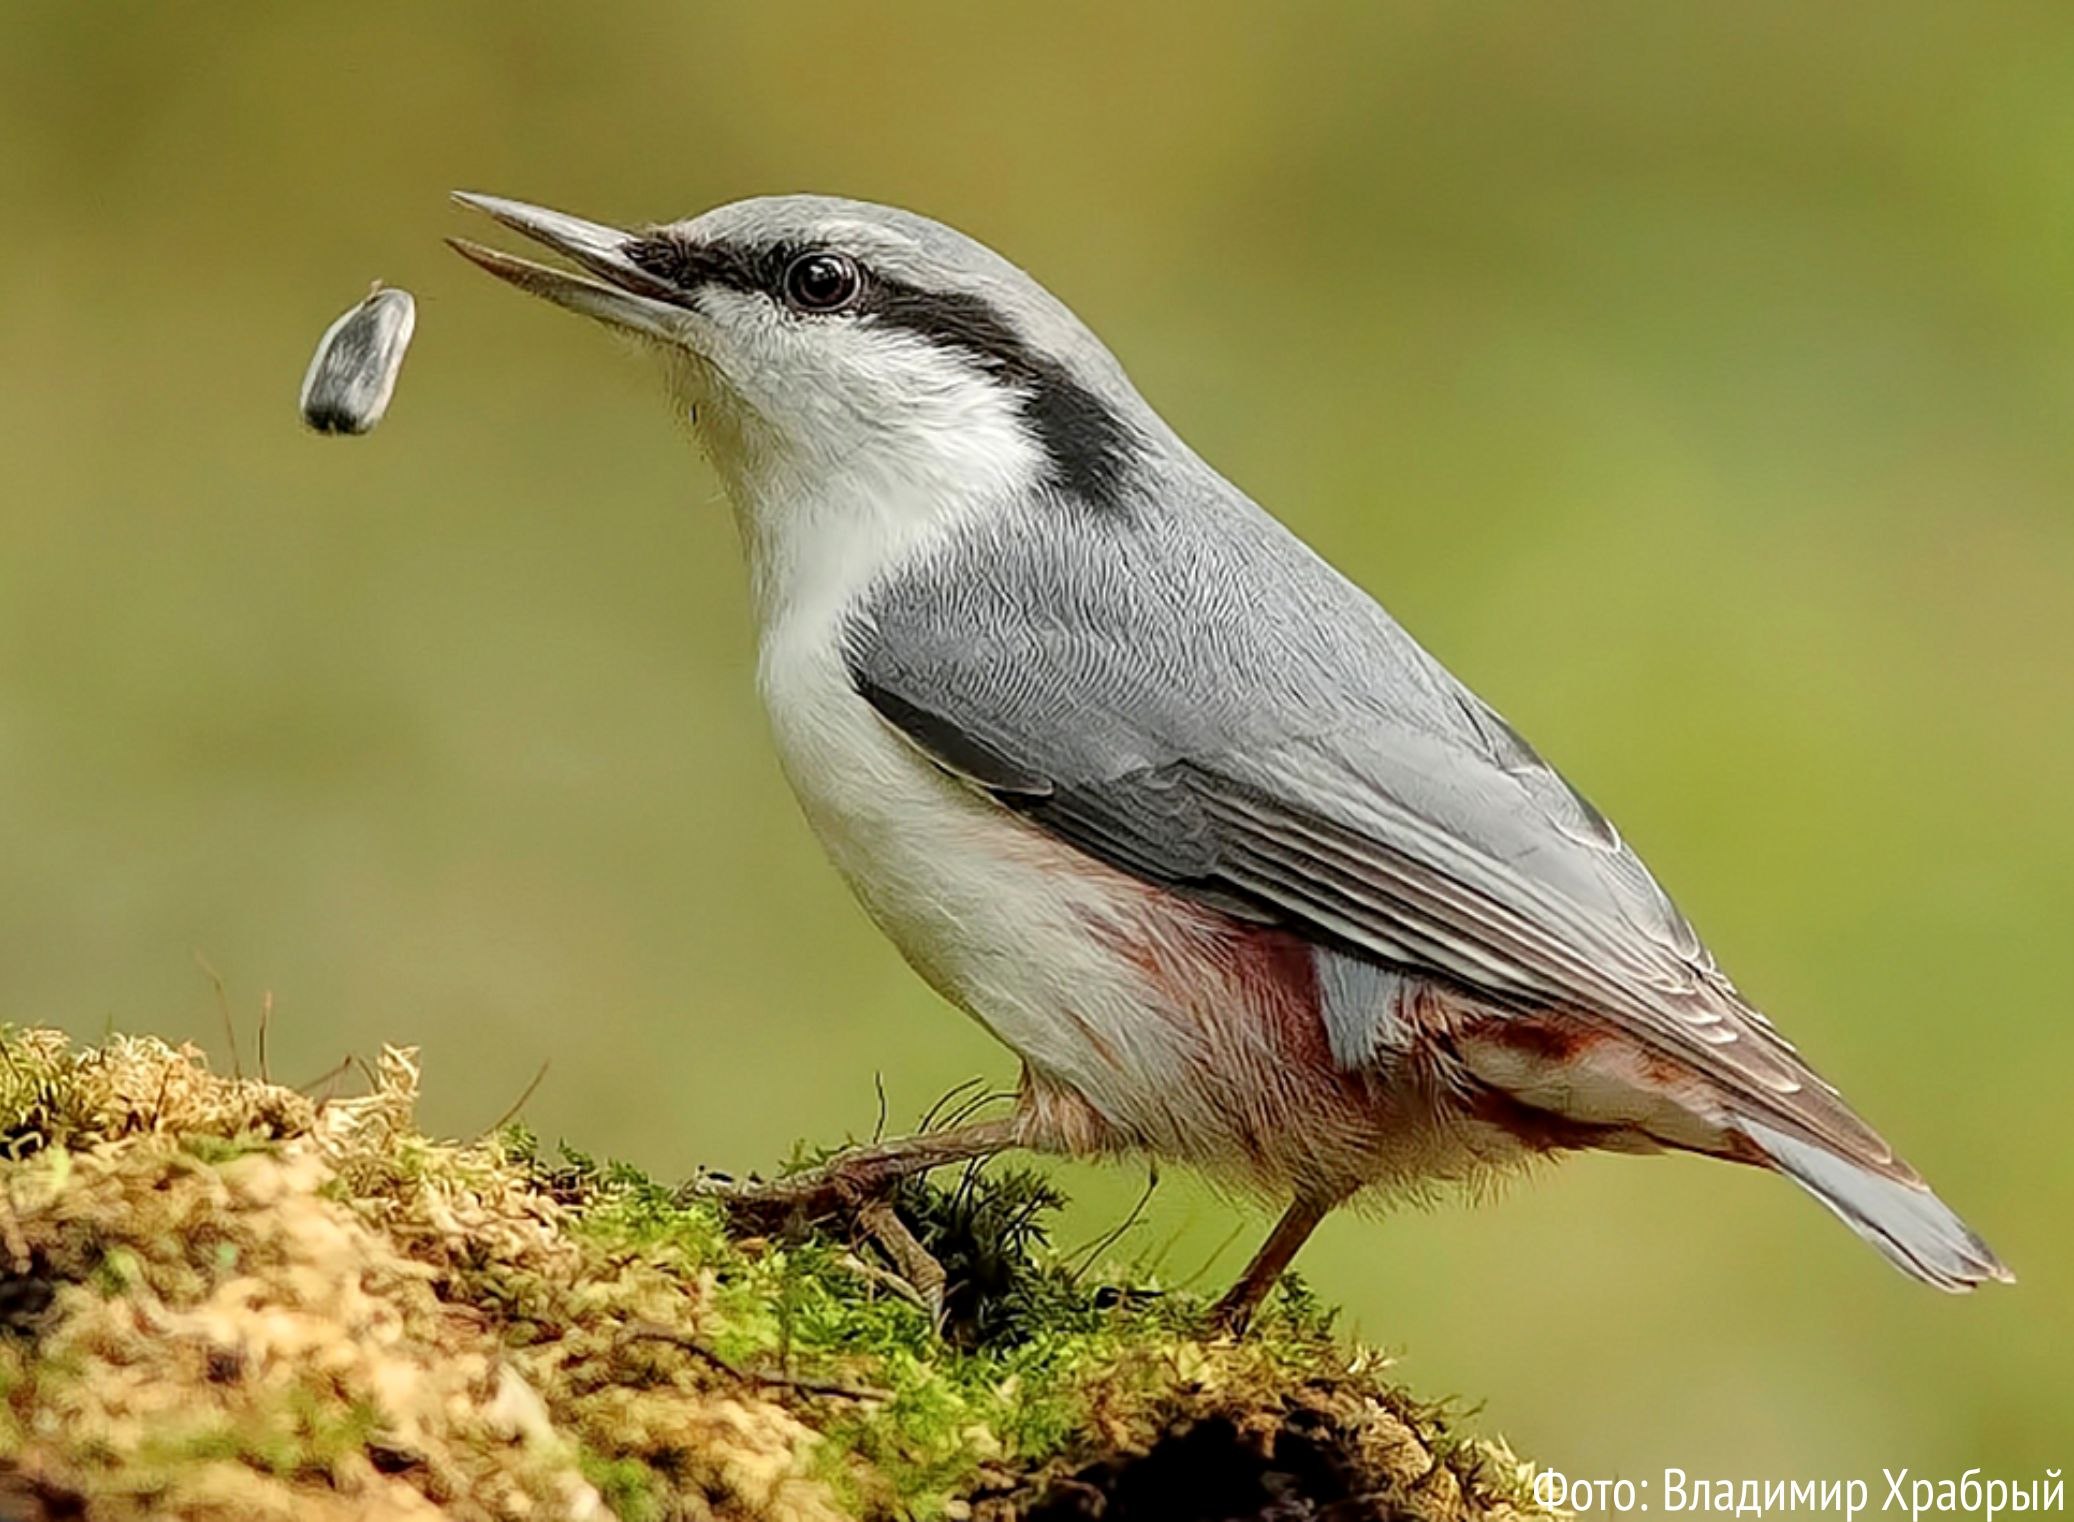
{"x": 353, "y": 373}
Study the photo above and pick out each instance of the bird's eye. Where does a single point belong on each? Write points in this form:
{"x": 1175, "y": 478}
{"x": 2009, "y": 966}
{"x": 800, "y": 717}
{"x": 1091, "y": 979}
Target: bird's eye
{"x": 822, "y": 282}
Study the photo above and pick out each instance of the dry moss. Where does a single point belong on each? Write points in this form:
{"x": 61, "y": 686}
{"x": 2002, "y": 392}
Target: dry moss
{"x": 221, "y": 1298}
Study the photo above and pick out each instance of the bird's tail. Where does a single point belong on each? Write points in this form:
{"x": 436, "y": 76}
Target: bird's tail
{"x": 1912, "y": 1227}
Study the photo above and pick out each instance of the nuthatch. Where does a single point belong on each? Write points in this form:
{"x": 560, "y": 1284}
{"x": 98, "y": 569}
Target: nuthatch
{"x": 1137, "y": 780}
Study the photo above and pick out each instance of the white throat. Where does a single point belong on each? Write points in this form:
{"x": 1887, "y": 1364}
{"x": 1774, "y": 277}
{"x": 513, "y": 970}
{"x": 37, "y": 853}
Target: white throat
{"x": 846, "y": 489}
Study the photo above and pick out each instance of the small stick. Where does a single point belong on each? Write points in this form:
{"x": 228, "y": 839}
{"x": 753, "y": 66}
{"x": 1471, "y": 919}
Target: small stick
{"x": 328, "y": 1076}
{"x": 974, "y": 1105}
{"x": 929, "y": 1115}
{"x": 230, "y": 1024}
{"x": 266, "y": 1018}
{"x": 1108, "y": 1239}
{"x": 158, "y": 1103}
{"x": 1215, "y": 1253}
{"x": 519, "y": 1103}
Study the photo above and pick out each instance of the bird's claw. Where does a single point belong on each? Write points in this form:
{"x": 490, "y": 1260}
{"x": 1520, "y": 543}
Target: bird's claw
{"x": 851, "y": 1192}
{"x": 832, "y": 1191}
{"x": 911, "y": 1260}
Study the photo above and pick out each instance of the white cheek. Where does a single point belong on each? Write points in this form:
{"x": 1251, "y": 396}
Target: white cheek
{"x": 845, "y": 447}
{"x": 825, "y": 391}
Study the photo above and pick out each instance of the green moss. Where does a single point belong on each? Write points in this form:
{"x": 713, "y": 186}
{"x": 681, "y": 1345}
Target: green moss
{"x": 633, "y": 1491}
{"x": 498, "y": 1331}
{"x": 118, "y": 1271}
{"x": 302, "y": 1436}
{"x": 1032, "y": 1358}
{"x": 204, "y": 1148}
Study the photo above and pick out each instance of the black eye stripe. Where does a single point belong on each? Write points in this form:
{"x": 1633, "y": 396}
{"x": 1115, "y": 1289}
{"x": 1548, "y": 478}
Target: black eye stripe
{"x": 688, "y": 265}
{"x": 1089, "y": 445}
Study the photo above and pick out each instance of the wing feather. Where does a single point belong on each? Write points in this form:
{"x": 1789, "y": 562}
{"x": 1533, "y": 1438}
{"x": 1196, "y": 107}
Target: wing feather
{"x": 1182, "y": 719}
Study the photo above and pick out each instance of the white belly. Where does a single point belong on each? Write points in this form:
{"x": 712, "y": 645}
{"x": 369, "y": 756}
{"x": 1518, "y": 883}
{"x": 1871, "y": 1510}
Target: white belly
{"x": 988, "y": 909}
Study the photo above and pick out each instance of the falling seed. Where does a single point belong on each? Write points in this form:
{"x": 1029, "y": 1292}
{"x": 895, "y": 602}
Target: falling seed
{"x": 353, "y": 373}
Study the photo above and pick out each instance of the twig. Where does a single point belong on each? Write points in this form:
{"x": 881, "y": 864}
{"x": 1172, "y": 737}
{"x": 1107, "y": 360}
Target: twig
{"x": 929, "y": 1115}
{"x": 230, "y": 1024}
{"x": 266, "y": 1018}
{"x": 649, "y": 1331}
{"x": 1108, "y": 1239}
{"x": 968, "y": 1182}
{"x": 158, "y": 1103}
{"x": 519, "y": 1103}
{"x": 974, "y": 1105}
{"x": 1215, "y": 1253}
{"x": 878, "y": 1083}
{"x": 330, "y": 1075}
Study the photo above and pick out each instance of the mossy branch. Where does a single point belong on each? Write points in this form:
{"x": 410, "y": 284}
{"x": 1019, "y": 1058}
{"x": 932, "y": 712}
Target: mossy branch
{"x": 222, "y": 1298}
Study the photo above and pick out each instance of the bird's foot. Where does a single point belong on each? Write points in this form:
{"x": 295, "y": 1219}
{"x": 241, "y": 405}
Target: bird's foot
{"x": 836, "y": 1190}
{"x": 842, "y": 1186}
{"x": 915, "y": 1264}
{"x": 855, "y": 1188}
{"x": 1233, "y": 1312}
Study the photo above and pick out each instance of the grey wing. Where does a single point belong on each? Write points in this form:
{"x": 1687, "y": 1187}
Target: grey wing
{"x": 1195, "y": 698}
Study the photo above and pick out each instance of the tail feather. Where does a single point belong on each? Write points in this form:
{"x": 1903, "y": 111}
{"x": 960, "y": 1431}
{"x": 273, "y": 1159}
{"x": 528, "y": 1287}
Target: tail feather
{"x": 1914, "y": 1229}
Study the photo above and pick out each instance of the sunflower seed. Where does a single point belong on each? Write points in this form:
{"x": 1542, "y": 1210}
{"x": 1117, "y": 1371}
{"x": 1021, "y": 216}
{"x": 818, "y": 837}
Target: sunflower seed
{"x": 353, "y": 373}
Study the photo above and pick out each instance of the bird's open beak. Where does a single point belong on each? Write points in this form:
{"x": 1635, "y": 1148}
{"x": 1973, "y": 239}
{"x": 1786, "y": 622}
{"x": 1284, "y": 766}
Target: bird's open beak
{"x": 624, "y": 294}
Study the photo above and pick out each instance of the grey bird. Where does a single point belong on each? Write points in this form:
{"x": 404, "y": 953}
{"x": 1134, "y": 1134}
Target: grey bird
{"x": 1133, "y": 777}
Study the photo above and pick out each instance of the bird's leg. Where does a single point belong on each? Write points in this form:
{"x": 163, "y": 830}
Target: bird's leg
{"x": 1236, "y": 1309}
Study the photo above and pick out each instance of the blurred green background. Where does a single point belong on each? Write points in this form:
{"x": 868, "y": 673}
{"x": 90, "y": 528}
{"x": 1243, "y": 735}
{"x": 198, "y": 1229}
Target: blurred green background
{"x": 1698, "y": 381}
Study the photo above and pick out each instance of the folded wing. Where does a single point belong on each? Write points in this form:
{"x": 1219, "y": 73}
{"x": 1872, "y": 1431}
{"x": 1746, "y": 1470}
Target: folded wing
{"x": 1239, "y": 723}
